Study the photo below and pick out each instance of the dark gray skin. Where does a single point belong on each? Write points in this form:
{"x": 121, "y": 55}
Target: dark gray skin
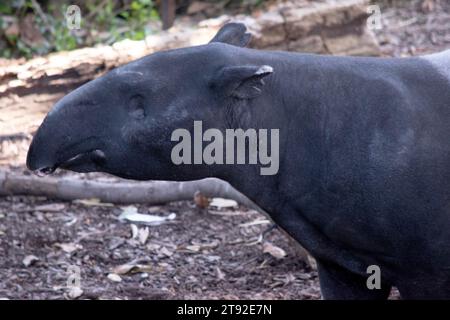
{"x": 364, "y": 173}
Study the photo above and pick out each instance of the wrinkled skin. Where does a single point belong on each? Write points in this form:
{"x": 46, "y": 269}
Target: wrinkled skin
{"x": 364, "y": 173}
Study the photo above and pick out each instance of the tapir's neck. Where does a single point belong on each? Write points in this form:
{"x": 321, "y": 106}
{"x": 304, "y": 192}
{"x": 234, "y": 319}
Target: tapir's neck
{"x": 289, "y": 96}
{"x": 278, "y": 111}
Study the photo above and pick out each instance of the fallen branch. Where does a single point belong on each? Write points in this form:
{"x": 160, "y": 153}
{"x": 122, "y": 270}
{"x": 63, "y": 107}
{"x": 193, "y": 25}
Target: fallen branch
{"x": 121, "y": 192}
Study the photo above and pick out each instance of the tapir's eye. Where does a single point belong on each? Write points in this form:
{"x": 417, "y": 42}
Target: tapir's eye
{"x": 136, "y": 107}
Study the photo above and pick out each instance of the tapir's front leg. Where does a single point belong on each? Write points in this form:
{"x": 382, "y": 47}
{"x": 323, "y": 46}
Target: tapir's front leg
{"x": 337, "y": 283}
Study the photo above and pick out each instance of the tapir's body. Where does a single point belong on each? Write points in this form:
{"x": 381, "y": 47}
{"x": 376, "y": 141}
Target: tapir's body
{"x": 364, "y": 173}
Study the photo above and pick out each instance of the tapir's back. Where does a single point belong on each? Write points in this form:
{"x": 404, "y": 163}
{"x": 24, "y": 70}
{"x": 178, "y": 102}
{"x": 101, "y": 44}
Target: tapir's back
{"x": 440, "y": 61}
{"x": 385, "y": 183}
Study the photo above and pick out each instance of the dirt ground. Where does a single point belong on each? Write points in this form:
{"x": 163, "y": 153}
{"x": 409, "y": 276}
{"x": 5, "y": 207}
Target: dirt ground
{"x": 197, "y": 255}
{"x": 200, "y": 254}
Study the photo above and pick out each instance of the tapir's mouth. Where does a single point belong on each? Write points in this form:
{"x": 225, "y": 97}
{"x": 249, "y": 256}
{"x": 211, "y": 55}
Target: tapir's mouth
{"x": 81, "y": 162}
{"x": 44, "y": 171}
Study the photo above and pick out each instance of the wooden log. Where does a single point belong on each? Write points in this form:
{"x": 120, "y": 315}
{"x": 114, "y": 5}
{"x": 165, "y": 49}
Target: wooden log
{"x": 120, "y": 192}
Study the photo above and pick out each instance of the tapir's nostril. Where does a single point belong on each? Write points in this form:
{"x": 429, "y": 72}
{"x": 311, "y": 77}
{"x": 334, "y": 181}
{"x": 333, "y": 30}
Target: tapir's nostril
{"x": 44, "y": 171}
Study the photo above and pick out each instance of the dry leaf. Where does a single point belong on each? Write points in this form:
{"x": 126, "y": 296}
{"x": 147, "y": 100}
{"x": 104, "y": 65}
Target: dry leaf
{"x": 51, "y": 207}
{"x": 208, "y": 245}
{"x": 93, "y": 202}
{"x": 220, "y": 274}
{"x": 29, "y": 260}
{"x": 130, "y": 214}
{"x": 114, "y": 277}
{"x": 71, "y": 222}
{"x": 69, "y": 247}
{"x": 220, "y": 203}
{"x": 134, "y": 231}
{"x": 165, "y": 251}
{"x": 123, "y": 269}
{"x": 153, "y": 246}
{"x": 75, "y": 292}
{"x": 273, "y": 250}
{"x": 194, "y": 248}
{"x": 227, "y": 213}
{"x": 143, "y": 235}
{"x": 254, "y": 223}
{"x": 200, "y": 200}
{"x": 155, "y": 209}
{"x": 131, "y": 267}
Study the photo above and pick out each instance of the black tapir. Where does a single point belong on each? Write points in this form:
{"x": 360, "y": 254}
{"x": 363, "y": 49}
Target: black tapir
{"x": 364, "y": 149}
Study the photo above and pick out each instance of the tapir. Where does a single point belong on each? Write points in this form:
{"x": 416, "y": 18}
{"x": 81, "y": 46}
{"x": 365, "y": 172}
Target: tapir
{"x": 364, "y": 149}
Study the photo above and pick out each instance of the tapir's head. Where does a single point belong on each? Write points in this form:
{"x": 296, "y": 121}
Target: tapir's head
{"x": 122, "y": 122}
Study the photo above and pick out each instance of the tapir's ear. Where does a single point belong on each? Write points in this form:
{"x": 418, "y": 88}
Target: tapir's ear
{"x": 244, "y": 82}
{"x": 234, "y": 34}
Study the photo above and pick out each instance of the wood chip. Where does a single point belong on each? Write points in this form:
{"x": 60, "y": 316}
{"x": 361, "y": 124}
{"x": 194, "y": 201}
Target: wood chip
{"x": 254, "y": 223}
{"x": 29, "y": 260}
{"x": 130, "y": 214}
{"x": 220, "y": 274}
{"x": 114, "y": 277}
{"x": 273, "y": 250}
{"x": 221, "y": 203}
{"x": 69, "y": 247}
{"x": 75, "y": 292}
{"x": 51, "y": 207}
{"x": 93, "y": 202}
{"x": 131, "y": 267}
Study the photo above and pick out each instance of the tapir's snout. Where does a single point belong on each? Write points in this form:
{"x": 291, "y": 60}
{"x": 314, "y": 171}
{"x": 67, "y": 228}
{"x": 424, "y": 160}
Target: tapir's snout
{"x": 45, "y": 154}
{"x": 43, "y": 158}
{"x": 71, "y": 136}
{"x": 37, "y": 164}
{"x": 40, "y": 158}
